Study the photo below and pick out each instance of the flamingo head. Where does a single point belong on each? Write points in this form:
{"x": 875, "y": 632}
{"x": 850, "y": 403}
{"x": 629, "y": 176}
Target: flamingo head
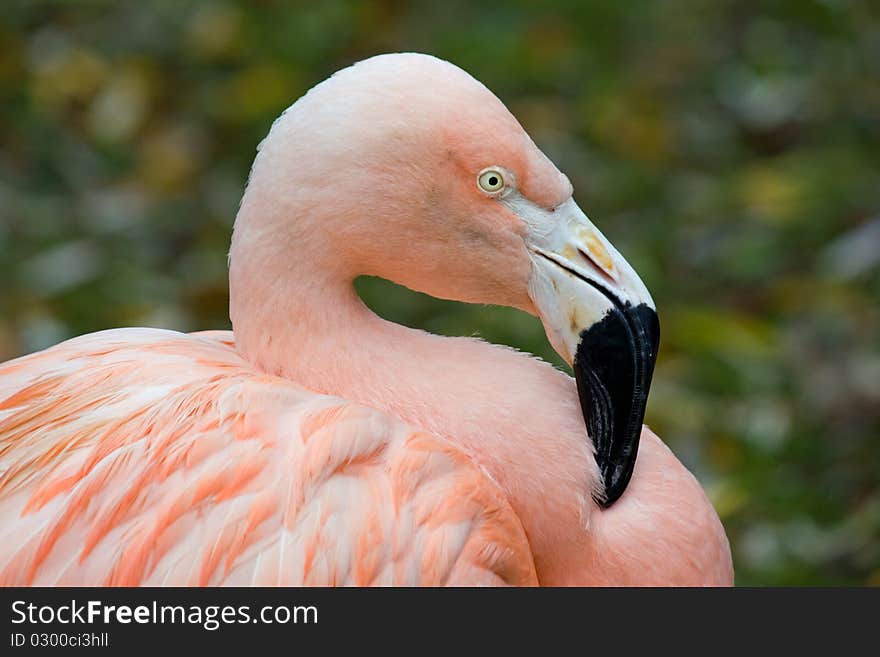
{"x": 403, "y": 166}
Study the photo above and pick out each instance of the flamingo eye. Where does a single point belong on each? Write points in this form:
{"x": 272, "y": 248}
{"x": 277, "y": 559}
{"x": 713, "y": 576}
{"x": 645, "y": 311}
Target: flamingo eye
{"x": 490, "y": 180}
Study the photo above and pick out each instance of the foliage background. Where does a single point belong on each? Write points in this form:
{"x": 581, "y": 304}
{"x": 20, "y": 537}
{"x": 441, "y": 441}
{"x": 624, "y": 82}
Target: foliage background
{"x": 729, "y": 149}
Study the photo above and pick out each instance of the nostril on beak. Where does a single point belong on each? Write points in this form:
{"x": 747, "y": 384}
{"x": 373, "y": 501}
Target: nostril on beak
{"x": 607, "y": 271}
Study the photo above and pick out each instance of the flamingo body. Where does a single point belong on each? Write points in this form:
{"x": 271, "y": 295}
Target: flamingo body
{"x": 319, "y": 444}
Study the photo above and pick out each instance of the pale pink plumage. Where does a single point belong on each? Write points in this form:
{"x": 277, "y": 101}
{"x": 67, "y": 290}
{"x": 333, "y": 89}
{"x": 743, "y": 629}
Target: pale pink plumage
{"x": 322, "y": 444}
{"x": 214, "y": 474}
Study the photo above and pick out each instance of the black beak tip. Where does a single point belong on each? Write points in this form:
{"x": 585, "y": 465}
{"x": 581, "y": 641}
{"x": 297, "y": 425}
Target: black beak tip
{"x": 613, "y": 367}
{"x": 615, "y": 482}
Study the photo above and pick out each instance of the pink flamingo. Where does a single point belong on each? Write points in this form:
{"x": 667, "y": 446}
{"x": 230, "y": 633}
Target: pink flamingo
{"x": 320, "y": 444}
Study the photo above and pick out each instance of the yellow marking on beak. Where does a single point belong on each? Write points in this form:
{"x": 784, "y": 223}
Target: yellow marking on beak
{"x": 596, "y": 251}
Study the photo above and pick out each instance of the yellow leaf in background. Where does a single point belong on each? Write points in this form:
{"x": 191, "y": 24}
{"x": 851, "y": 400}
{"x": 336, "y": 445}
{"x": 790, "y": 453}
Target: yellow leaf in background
{"x": 214, "y": 31}
{"x": 73, "y": 74}
{"x": 727, "y": 497}
{"x": 170, "y": 157}
{"x": 718, "y": 330}
{"x": 632, "y": 126}
{"x": 266, "y": 88}
{"x": 770, "y": 194}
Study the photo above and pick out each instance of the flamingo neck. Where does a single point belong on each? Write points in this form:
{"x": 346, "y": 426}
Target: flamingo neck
{"x": 517, "y": 417}
{"x": 514, "y": 415}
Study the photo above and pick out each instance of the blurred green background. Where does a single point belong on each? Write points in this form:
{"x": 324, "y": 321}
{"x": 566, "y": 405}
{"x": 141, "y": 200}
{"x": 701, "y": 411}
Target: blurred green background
{"x": 731, "y": 150}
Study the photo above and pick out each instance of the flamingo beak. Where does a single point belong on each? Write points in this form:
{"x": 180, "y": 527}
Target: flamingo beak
{"x": 601, "y": 319}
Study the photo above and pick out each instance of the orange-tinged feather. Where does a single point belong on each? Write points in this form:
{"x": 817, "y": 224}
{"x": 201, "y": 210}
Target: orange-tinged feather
{"x": 164, "y": 458}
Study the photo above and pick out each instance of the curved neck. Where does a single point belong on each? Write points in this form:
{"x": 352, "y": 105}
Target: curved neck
{"x": 516, "y": 416}
{"x": 294, "y": 319}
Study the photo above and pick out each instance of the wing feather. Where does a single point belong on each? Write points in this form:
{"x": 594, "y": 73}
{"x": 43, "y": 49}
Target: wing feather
{"x": 142, "y": 456}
